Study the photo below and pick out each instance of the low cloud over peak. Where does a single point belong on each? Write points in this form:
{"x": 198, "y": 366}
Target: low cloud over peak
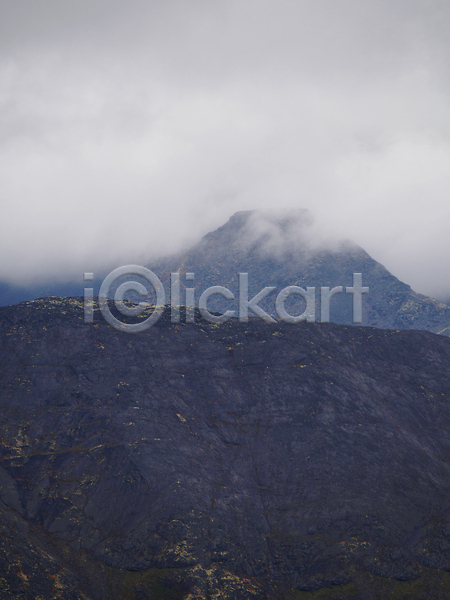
{"x": 129, "y": 131}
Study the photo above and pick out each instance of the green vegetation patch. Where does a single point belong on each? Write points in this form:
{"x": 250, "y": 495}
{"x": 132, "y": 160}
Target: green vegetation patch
{"x": 433, "y": 584}
{"x": 134, "y": 583}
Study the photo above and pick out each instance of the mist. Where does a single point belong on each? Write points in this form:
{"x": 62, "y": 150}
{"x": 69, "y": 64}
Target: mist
{"x": 129, "y": 130}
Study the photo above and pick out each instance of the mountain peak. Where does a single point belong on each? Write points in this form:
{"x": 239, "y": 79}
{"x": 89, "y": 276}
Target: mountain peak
{"x": 274, "y": 233}
{"x": 281, "y": 249}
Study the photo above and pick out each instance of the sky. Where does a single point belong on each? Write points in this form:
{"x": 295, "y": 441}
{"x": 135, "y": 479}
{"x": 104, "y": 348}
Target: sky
{"x": 130, "y": 129}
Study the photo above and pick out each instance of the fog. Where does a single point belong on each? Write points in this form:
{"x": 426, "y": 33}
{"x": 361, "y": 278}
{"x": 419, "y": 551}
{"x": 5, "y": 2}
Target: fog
{"x": 129, "y": 130}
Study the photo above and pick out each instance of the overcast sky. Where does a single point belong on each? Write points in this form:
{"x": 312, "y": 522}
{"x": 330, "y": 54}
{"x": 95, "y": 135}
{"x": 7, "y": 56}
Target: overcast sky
{"x": 130, "y": 129}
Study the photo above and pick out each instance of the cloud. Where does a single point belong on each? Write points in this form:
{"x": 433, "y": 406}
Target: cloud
{"x": 131, "y": 129}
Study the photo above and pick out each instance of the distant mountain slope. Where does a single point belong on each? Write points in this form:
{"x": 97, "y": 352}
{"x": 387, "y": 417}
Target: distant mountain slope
{"x": 235, "y": 461}
{"x": 276, "y": 252}
{"x": 13, "y": 294}
{"x": 281, "y": 252}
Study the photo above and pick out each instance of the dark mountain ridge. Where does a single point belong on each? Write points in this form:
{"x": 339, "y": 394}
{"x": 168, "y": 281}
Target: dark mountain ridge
{"x": 232, "y": 461}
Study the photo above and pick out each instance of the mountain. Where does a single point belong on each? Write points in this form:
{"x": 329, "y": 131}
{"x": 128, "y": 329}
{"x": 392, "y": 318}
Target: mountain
{"x": 289, "y": 251}
{"x": 280, "y": 251}
{"x": 236, "y": 461}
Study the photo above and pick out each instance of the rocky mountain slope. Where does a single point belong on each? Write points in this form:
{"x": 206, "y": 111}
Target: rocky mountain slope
{"x": 234, "y": 461}
{"x": 281, "y": 252}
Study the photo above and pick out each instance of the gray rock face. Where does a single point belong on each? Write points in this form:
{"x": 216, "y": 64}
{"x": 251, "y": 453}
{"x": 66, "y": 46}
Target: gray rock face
{"x": 219, "y": 461}
{"x": 280, "y": 252}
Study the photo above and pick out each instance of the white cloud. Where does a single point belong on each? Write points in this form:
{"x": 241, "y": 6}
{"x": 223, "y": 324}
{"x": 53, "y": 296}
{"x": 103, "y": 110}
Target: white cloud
{"x": 129, "y": 130}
